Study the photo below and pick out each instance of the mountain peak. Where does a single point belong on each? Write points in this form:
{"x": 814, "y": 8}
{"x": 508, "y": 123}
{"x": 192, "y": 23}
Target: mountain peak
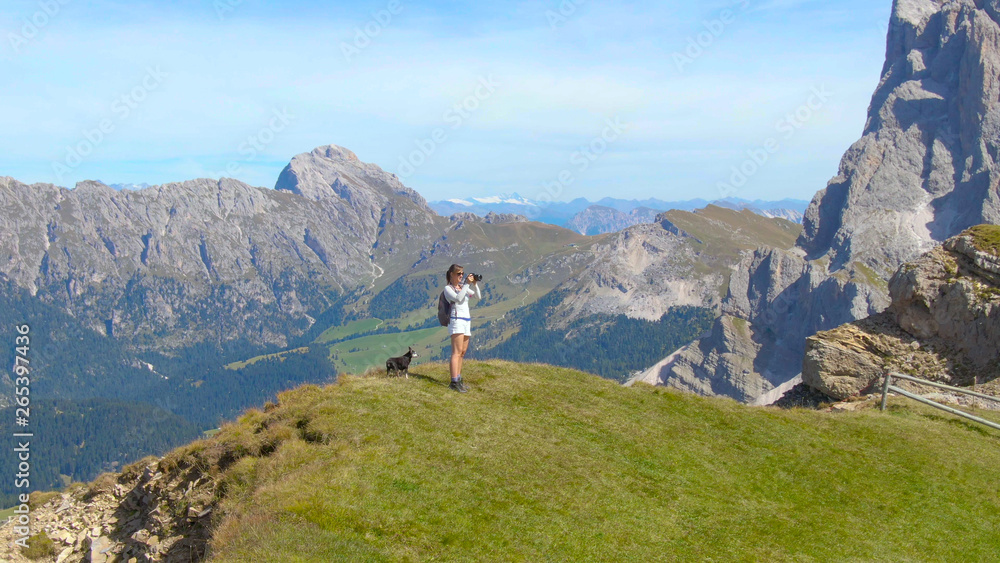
{"x": 333, "y": 171}
{"x": 916, "y": 12}
{"x": 335, "y": 152}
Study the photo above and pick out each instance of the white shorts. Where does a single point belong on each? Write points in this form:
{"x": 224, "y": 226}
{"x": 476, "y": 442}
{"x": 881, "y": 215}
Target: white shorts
{"x": 459, "y": 326}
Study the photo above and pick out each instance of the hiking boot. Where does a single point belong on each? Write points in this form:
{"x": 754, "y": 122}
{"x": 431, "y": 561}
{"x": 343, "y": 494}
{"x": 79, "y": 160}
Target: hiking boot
{"x": 461, "y": 384}
{"x": 457, "y": 386}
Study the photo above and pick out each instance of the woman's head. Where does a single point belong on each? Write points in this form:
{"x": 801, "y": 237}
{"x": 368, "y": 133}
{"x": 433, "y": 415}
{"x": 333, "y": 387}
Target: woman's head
{"x": 455, "y": 271}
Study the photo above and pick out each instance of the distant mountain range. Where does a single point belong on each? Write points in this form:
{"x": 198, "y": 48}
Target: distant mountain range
{"x": 608, "y": 215}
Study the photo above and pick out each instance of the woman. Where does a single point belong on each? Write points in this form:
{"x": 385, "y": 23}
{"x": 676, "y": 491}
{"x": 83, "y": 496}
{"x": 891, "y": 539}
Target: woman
{"x": 460, "y": 325}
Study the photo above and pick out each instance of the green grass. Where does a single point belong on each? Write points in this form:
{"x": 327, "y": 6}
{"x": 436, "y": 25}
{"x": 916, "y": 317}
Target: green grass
{"x": 539, "y": 463}
{"x": 870, "y": 277}
{"x": 415, "y": 318}
{"x": 279, "y": 355}
{"x": 353, "y": 327}
{"x": 361, "y": 354}
{"x": 986, "y": 238}
{"x": 40, "y": 546}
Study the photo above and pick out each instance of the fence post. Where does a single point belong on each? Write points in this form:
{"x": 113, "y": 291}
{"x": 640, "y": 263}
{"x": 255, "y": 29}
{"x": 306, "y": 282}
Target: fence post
{"x": 885, "y": 389}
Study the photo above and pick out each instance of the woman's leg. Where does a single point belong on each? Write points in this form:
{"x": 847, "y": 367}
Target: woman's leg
{"x": 457, "y": 351}
{"x": 463, "y": 346}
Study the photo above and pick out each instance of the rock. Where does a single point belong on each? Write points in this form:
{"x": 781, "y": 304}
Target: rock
{"x": 702, "y": 369}
{"x": 99, "y": 550}
{"x": 943, "y": 324}
{"x": 839, "y": 365}
{"x": 98, "y": 537}
{"x": 494, "y": 218}
{"x": 464, "y": 217}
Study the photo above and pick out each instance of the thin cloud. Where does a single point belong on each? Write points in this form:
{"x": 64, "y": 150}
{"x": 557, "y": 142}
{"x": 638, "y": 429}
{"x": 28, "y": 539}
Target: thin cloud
{"x": 557, "y": 86}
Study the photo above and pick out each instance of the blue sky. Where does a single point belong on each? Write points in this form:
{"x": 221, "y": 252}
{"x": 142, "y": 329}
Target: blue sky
{"x": 572, "y": 98}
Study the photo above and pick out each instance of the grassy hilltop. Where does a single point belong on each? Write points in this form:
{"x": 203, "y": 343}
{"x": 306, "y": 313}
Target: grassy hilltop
{"x": 542, "y": 463}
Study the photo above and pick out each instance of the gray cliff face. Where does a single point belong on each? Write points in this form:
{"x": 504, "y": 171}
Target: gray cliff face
{"x": 925, "y": 168}
{"x": 156, "y": 266}
{"x": 923, "y": 171}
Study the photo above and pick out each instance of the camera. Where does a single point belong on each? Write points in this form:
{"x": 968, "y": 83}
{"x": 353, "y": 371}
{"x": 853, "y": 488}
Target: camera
{"x": 477, "y": 277}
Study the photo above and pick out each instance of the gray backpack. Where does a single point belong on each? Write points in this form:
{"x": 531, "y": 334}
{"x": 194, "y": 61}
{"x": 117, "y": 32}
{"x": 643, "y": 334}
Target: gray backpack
{"x": 444, "y": 310}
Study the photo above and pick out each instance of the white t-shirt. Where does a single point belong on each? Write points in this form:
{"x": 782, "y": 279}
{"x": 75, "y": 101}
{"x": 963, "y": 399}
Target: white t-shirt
{"x": 460, "y": 299}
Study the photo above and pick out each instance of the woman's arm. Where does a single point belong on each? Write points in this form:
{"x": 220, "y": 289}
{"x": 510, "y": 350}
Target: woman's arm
{"x": 475, "y": 287}
{"x": 457, "y": 296}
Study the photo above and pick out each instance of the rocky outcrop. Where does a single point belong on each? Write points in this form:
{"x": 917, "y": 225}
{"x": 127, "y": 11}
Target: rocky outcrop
{"x": 167, "y": 508}
{"x": 491, "y": 218}
{"x": 495, "y": 218}
{"x": 943, "y": 324}
{"x": 365, "y": 204}
{"x": 641, "y": 272}
{"x": 925, "y": 170}
{"x": 141, "y": 514}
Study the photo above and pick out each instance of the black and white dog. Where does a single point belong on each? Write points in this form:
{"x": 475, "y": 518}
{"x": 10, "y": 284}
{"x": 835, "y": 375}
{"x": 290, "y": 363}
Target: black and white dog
{"x": 400, "y": 364}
